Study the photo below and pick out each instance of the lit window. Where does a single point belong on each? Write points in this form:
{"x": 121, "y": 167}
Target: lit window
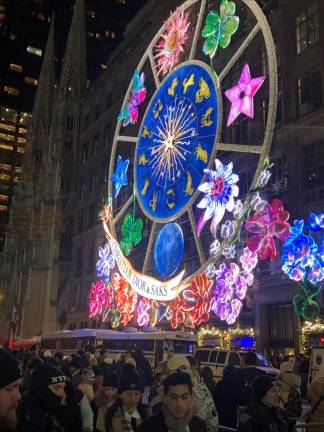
{"x": 90, "y": 34}
{"x": 113, "y": 35}
{"x": 21, "y": 140}
{"x": 307, "y": 28}
{"x": 31, "y": 81}
{"x": 40, "y": 16}
{"x": 4, "y": 177}
{"x": 3, "y": 208}
{"x": 12, "y": 36}
{"x": 3, "y": 197}
{"x": 7, "y": 137}
{"x": 98, "y": 36}
{"x": 5, "y": 147}
{"x": 15, "y": 68}
{"x": 33, "y": 50}
{"x": 7, "y": 127}
{"x": 5, "y": 167}
{"x": 22, "y": 130}
{"x": 2, "y": 16}
{"x": 11, "y": 90}
{"x": 20, "y": 150}
{"x": 104, "y": 66}
{"x": 107, "y": 33}
{"x": 91, "y": 13}
{"x": 309, "y": 93}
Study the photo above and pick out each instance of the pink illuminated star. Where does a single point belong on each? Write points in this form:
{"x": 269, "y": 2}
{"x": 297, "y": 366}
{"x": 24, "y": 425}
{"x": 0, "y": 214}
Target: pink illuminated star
{"x": 241, "y": 95}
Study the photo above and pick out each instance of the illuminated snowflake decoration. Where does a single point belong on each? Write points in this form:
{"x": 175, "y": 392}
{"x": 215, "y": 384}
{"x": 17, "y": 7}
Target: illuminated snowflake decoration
{"x": 172, "y": 41}
{"x": 220, "y": 190}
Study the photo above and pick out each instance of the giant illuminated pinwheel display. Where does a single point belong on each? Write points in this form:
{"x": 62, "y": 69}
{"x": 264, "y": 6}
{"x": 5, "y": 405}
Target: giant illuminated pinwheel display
{"x": 174, "y": 213}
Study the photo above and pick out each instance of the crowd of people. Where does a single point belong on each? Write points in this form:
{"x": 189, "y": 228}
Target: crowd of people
{"x": 86, "y": 393}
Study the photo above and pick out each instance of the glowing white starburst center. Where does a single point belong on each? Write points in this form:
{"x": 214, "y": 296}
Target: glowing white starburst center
{"x": 171, "y": 142}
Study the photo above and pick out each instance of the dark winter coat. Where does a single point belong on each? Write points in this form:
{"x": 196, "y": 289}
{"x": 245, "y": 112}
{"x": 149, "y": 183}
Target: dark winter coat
{"x": 245, "y": 377}
{"x": 34, "y": 419}
{"x": 226, "y": 399}
{"x": 156, "y": 424}
{"x": 259, "y": 418}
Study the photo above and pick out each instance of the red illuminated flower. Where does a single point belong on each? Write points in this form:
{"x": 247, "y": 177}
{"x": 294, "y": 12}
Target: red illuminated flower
{"x": 199, "y": 299}
{"x": 99, "y": 299}
{"x": 175, "y": 309}
{"x": 267, "y": 225}
{"x": 125, "y": 298}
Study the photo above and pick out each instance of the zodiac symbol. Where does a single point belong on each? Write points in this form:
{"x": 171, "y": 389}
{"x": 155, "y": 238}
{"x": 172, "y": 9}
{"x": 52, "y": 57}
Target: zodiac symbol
{"x": 142, "y": 160}
{"x": 146, "y": 133}
{"x": 189, "y": 189}
{"x": 171, "y": 204}
{"x": 206, "y": 120}
{"x": 153, "y": 201}
{"x": 146, "y": 185}
{"x": 188, "y": 82}
{"x": 201, "y": 153}
{"x": 203, "y": 91}
{"x": 157, "y": 109}
{"x": 170, "y": 192}
{"x": 174, "y": 84}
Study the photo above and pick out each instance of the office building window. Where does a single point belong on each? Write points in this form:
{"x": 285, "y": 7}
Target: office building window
{"x": 85, "y": 152}
{"x": 15, "y": 68}
{"x": 69, "y": 122}
{"x": 11, "y": 90}
{"x": 107, "y": 133}
{"x": 95, "y": 144}
{"x": 80, "y": 220}
{"x": 90, "y": 257}
{"x": 313, "y": 163}
{"x": 86, "y": 122}
{"x": 36, "y": 51}
{"x": 31, "y": 81}
{"x": 79, "y": 260}
{"x": 91, "y": 214}
{"x": 307, "y": 28}
{"x": 309, "y": 93}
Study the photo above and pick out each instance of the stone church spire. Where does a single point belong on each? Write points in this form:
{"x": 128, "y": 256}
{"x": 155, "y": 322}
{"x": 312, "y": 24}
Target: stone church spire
{"x": 43, "y": 104}
{"x": 74, "y": 70}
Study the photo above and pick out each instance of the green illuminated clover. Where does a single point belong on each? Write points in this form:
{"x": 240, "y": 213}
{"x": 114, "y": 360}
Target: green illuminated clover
{"x": 131, "y": 233}
{"x": 219, "y": 28}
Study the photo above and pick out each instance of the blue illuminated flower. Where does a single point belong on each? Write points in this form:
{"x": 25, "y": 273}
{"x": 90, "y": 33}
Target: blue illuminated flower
{"x": 220, "y": 190}
{"x": 105, "y": 263}
{"x": 301, "y": 256}
{"x": 316, "y": 222}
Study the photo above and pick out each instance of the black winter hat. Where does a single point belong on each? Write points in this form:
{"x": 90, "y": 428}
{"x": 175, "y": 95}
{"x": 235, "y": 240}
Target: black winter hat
{"x": 110, "y": 380}
{"x": 261, "y": 385}
{"x": 130, "y": 383}
{"x": 45, "y": 375}
{"x": 9, "y": 369}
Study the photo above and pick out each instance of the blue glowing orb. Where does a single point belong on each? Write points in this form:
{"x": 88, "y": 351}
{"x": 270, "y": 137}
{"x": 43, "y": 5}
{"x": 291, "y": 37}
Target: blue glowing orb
{"x": 168, "y": 250}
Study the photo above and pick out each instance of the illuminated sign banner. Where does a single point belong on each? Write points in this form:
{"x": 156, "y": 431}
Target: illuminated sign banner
{"x": 145, "y": 286}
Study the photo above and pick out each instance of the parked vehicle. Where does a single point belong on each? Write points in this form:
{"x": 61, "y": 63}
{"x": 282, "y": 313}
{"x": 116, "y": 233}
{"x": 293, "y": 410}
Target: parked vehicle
{"x": 218, "y": 359}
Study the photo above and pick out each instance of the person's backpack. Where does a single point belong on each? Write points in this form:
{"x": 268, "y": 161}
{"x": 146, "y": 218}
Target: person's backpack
{"x": 293, "y": 408}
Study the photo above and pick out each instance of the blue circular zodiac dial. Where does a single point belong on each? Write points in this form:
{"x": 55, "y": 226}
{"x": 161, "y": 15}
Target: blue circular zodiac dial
{"x": 176, "y": 141}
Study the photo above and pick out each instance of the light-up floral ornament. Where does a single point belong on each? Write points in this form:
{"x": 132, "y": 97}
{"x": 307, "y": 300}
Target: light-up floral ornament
{"x": 143, "y": 316}
{"x": 131, "y": 233}
{"x": 98, "y": 299}
{"x": 257, "y": 203}
{"x": 210, "y": 271}
{"x": 248, "y": 260}
{"x": 119, "y": 177}
{"x": 264, "y": 178}
{"x": 199, "y": 299}
{"x": 219, "y": 28}
{"x": 228, "y": 229}
{"x": 129, "y": 113}
{"x": 220, "y": 190}
{"x": 242, "y": 94}
{"x": 231, "y": 285}
{"x": 214, "y": 248}
{"x": 171, "y": 45}
{"x": 105, "y": 263}
{"x": 125, "y": 298}
{"x": 316, "y": 222}
{"x": 265, "y": 226}
{"x": 176, "y": 313}
{"x": 229, "y": 251}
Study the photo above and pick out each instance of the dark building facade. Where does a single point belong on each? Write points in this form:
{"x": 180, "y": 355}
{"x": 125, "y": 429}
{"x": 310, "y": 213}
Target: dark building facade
{"x": 81, "y": 125}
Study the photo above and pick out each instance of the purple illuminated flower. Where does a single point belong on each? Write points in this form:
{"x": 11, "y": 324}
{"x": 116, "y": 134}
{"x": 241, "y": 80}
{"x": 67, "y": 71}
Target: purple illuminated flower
{"x": 248, "y": 260}
{"x": 242, "y": 94}
{"x": 229, "y": 251}
{"x": 105, "y": 263}
{"x": 228, "y": 228}
{"x": 220, "y": 190}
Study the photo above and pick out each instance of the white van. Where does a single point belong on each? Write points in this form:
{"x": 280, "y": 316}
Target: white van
{"x": 217, "y": 359}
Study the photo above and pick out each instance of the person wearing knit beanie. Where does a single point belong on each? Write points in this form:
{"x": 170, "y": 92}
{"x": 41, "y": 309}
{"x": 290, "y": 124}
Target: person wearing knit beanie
{"x": 44, "y": 399}
{"x": 265, "y": 414}
{"x": 104, "y": 398}
{"x": 10, "y": 380}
